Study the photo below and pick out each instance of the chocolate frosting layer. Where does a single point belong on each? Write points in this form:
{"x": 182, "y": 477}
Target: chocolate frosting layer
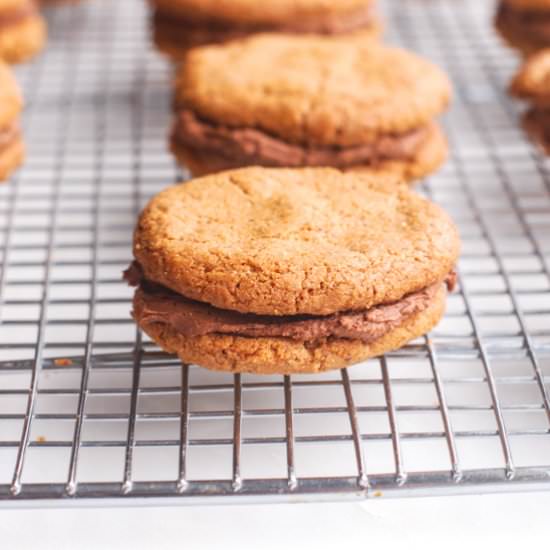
{"x": 156, "y": 304}
{"x": 252, "y": 146}
{"x": 533, "y": 25}
{"x": 333, "y": 24}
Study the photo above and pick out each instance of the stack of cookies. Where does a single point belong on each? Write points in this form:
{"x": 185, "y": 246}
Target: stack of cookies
{"x": 294, "y": 101}
{"x": 179, "y": 25}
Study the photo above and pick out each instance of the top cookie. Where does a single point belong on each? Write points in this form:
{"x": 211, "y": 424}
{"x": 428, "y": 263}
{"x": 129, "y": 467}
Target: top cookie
{"x": 11, "y": 100}
{"x": 287, "y": 242}
{"x": 253, "y": 12}
{"x": 532, "y": 82}
{"x": 312, "y": 89}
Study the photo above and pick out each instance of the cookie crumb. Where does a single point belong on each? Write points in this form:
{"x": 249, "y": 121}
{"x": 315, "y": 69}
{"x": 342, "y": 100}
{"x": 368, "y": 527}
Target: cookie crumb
{"x": 63, "y": 362}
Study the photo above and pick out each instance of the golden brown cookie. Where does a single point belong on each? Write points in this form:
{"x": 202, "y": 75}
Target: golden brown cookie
{"x": 524, "y": 24}
{"x": 275, "y": 270}
{"x": 309, "y": 101}
{"x": 288, "y": 242}
{"x": 179, "y": 25}
{"x": 11, "y": 144}
{"x": 22, "y": 30}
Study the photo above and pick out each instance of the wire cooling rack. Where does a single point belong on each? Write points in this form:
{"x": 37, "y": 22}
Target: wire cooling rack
{"x": 90, "y": 409}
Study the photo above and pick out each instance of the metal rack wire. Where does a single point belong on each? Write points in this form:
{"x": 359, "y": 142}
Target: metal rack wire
{"x": 90, "y": 410}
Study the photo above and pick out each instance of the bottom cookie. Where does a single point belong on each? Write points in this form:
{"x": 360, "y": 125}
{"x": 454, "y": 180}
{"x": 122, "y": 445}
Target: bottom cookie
{"x": 285, "y": 356}
{"x": 428, "y": 158}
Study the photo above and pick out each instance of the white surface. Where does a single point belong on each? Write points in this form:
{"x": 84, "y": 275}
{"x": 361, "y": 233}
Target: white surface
{"x": 519, "y": 521}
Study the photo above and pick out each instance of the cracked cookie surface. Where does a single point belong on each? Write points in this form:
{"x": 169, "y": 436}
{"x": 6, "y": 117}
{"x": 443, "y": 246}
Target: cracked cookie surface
{"x": 287, "y": 242}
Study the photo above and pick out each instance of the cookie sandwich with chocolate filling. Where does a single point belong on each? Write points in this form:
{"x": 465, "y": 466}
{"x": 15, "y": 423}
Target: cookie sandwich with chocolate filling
{"x": 288, "y": 101}
{"x": 12, "y": 149}
{"x": 290, "y": 271}
{"x": 22, "y": 30}
{"x": 179, "y": 25}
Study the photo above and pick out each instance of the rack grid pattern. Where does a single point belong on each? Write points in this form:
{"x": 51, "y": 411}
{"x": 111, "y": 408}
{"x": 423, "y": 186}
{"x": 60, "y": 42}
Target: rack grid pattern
{"x": 90, "y": 409}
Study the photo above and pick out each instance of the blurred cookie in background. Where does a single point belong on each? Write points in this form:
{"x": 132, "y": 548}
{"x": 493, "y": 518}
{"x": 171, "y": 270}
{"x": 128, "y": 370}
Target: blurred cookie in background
{"x": 524, "y": 24}
{"x": 306, "y": 101}
{"x": 532, "y": 84}
{"x": 179, "y": 25}
{"x": 12, "y": 149}
{"x": 22, "y": 30}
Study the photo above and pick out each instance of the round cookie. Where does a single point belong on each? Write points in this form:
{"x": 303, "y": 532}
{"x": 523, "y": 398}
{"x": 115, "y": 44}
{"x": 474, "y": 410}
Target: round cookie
{"x": 290, "y": 242}
{"x": 309, "y": 101}
{"x": 282, "y": 356}
{"x": 11, "y": 145}
{"x": 322, "y": 91}
{"x": 22, "y": 30}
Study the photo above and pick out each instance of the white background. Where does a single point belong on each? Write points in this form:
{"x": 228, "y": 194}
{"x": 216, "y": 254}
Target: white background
{"x": 509, "y": 521}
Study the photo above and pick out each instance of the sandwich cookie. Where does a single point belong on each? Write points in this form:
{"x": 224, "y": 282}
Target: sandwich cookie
{"x": 12, "y": 149}
{"x": 179, "y": 25}
{"x": 290, "y": 101}
{"x": 22, "y": 30}
{"x": 290, "y": 271}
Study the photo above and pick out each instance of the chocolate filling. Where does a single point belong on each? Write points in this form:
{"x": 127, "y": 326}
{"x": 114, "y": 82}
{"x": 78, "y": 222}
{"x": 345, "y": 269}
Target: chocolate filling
{"x": 252, "y": 146}
{"x": 14, "y": 16}
{"x": 179, "y": 28}
{"x": 154, "y": 303}
{"x": 533, "y": 25}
